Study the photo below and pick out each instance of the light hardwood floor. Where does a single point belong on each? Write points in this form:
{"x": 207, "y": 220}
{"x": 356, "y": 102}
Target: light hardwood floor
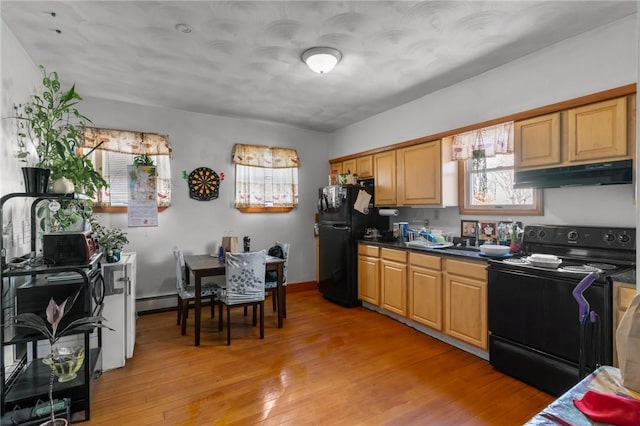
{"x": 328, "y": 366}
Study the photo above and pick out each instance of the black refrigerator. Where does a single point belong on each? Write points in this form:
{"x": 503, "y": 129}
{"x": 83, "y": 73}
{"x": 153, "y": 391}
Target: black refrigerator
{"x": 341, "y": 224}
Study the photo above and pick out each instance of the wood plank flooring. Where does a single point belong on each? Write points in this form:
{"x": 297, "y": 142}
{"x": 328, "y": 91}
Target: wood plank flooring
{"x": 328, "y": 366}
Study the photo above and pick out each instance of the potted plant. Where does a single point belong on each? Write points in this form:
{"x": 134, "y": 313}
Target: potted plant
{"x": 60, "y": 360}
{"x": 53, "y": 124}
{"x": 111, "y": 240}
{"x": 144, "y": 160}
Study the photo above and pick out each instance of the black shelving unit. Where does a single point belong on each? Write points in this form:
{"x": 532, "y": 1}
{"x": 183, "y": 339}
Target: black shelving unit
{"x": 29, "y": 380}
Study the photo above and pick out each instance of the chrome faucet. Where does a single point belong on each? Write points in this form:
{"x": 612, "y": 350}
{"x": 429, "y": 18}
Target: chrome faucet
{"x": 478, "y": 230}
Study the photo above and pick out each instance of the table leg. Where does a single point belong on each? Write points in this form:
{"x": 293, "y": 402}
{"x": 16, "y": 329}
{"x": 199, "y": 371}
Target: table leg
{"x": 281, "y": 294}
{"x": 196, "y": 306}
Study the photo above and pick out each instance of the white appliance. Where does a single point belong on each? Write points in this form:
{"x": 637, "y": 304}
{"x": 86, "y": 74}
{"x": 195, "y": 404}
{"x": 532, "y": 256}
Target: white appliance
{"x": 119, "y": 311}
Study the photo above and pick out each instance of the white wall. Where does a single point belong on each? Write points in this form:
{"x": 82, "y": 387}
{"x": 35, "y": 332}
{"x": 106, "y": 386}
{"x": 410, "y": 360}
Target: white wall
{"x": 198, "y": 140}
{"x": 595, "y": 61}
{"x": 197, "y": 226}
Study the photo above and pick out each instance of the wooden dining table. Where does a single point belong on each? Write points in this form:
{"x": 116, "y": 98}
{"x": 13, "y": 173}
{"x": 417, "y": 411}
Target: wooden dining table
{"x": 204, "y": 265}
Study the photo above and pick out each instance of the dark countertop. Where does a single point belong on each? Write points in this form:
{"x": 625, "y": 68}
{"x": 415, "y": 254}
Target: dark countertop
{"x": 627, "y": 277}
{"x": 466, "y": 252}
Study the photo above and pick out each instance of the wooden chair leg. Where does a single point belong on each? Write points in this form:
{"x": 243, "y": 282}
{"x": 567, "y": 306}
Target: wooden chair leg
{"x": 179, "y": 309}
{"x": 185, "y": 311}
{"x": 213, "y": 308}
{"x": 254, "y": 320}
{"x": 284, "y": 301}
{"x": 228, "y": 325}
{"x": 245, "y": 311}
{"x": 274, "y": 297}
{"x": 219, "y": 317}
{"x": 262, "y": 320}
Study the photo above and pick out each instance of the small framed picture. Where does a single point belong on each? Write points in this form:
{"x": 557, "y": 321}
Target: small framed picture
{"x": 487, "y": 231}
{"x": 468, "y": 228}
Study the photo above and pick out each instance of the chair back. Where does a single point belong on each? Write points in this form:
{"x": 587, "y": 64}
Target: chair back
{"x": 244, "y": 278}
{"x": 285, "y": 251}
{"x": 180, "y": 269}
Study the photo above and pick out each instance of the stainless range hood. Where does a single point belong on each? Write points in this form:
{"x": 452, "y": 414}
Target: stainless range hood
{"x": 609, "y": 173}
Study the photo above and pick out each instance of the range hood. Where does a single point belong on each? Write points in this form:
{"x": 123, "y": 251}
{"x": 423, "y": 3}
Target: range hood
{"x": 609, "y": 173}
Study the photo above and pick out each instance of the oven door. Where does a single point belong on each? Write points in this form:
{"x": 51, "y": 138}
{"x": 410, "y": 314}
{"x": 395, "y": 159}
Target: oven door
{"x": 535, "y": 328}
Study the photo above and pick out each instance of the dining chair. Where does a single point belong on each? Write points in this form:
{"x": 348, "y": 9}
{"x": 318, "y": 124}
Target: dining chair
{"x": 245, "y": 274}
{"x": 187, "y": 293}
{"x": 271, "y": 283}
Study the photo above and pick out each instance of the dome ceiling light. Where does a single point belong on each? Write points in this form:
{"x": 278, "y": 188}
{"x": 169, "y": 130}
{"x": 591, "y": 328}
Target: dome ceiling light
{"x": 321, "y": 59}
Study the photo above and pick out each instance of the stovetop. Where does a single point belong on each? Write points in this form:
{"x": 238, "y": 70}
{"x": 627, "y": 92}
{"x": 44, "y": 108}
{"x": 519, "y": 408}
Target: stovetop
{"x": 581, "y": 250}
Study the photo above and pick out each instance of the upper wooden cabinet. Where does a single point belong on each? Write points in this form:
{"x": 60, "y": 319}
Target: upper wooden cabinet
{"x": 336, "y": 166}
{"x": 601, "y": 131}
{"x": 349, "y": 166}
{"x": 364, "y": 166}
{"x": 598, "y": 131}
{"x": 419, "y": 174}
{"x": 384, "y": 173}
{"x": 537, "y": 141}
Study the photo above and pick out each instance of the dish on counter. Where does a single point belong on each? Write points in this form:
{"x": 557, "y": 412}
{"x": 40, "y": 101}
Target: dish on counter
{"x": 494, "y": 250}
{"x": 427, "y": 244}
{"x": 544, "y": 262}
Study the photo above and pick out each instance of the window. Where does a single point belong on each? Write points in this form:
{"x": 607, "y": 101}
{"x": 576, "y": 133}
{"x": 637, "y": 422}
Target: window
{"x": 112, "y": 151}
{"x": 487, "y": 174}
{"x": 266, "y": 178}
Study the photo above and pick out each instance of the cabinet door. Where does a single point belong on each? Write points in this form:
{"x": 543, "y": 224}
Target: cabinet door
{"x": 384, "y": 172}
{"x": 393, "y": 279}
{"x": 425, "y": 296}
{"x": 350, "y": 166}
{"x": 537, "y": 141}
{"x": 364, "y": 166}
{"x": 369, "y": 279}
{"x": 335, "y": 166}
{"x": 466, "y": 309}
{"x": 420, "y": 174}
{"x": 598, "y": 131}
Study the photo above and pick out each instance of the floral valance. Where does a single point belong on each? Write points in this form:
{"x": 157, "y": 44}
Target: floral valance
{"x": 125, "y": 141}
{"x": 265, "y": 156}
{"x": 497, "y": 139}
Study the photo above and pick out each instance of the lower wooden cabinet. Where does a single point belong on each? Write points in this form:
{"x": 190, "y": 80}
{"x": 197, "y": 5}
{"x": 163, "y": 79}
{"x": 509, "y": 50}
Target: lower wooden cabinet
{"x": 622, "y": 297}
{"x": 369, "y": 274}
{"x": 425, "y": 290}
{"x": 393, "y": 279}
{"x": 465, "y": 301}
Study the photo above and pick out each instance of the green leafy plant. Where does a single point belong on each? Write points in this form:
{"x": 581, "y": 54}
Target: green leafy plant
{"x": 51, "y": 331}
{"x": 109, "y": 239}
{"x": 51, "y": 122}
{"x": 69, "y": 213}
{"x": 143, "y": 160}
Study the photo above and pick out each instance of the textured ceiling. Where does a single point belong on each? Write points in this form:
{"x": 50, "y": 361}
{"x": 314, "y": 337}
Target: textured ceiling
{"x": 242, "y": 59}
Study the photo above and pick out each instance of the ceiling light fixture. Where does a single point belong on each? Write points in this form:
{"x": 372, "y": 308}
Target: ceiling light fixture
{"x": 321, "y": 59}
{"x": 184, "y": 28}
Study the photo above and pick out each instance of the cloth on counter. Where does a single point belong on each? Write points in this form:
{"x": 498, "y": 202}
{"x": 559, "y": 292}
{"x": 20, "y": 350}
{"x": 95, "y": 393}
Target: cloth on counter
{"x": 607, "y": 408}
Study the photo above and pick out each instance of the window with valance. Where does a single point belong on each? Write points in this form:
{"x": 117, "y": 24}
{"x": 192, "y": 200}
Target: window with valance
{"x": 112, "y": 150}
{"x": 266, "y": 178}
{"x": 487, "y": 170}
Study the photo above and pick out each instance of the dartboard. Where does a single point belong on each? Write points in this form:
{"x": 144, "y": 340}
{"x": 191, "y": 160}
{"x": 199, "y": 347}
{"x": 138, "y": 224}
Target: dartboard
{"x": 203, "y": 184}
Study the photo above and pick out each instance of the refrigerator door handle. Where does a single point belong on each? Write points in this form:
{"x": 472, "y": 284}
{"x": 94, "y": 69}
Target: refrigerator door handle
{"x": 341, "y": 227}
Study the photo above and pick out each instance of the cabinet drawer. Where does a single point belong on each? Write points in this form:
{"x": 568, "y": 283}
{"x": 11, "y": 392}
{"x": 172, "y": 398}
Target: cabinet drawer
{"x": 475, "y": 270}
{"x": 395, "y": 255}
{"x": 366, "y": 250}
{"x": 426, "y": 261}
{"x": 625, "y": 295}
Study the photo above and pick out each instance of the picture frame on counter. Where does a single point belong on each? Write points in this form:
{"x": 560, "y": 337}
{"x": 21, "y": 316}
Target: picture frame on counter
{"x": 468, "y": 228}
{"x": 488, "y": 231}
